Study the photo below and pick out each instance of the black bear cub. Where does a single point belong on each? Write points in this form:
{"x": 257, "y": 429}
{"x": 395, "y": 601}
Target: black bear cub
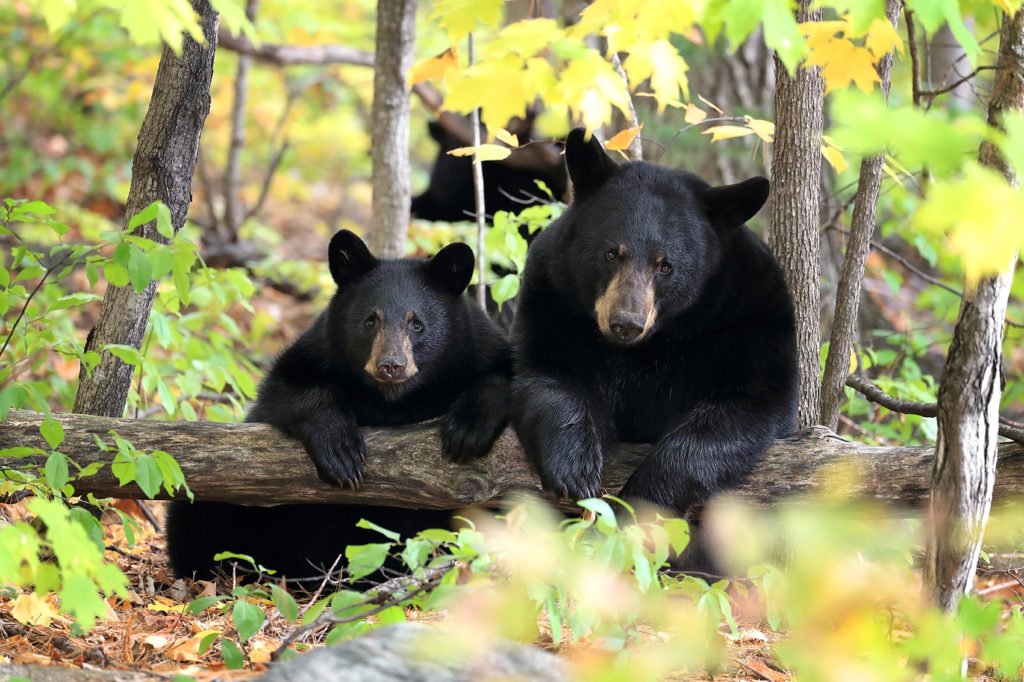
{"x": 398, "y": 343}
{"x": 649, "y": 313}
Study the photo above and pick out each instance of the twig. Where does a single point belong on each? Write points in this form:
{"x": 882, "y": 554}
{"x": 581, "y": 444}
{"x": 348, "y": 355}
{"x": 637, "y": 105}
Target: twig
{"x": 915, "y": 64}
{"x": 876, "y": 395}
{"x": 275, "y": 161}
{"x": 289, "y": 55}
{"x": 955, "y": 84}
{"x": 385, "y": 595}
{"x": 480, "y": 205}
{"x": 635, "y": 150}
{"x": 150, "y": 516}
{"x": 28, "y": 300}
{"x": 323, "y": 583}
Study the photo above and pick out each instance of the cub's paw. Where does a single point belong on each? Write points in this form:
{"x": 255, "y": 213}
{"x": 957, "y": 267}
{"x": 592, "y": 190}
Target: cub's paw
{"x": 338, "y": 452}
{"x": 468, "y": 433}
{"x": 649, "y": 486}
{"x": 571, "y": 465}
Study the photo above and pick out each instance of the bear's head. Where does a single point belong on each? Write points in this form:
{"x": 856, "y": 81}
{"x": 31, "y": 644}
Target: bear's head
{"x": 644, "y": 240}
{"x": 390, "y": 319}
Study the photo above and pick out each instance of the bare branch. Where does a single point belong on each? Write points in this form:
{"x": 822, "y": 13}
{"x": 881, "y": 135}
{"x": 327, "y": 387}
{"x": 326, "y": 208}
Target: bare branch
{"x": 289, "y": 55}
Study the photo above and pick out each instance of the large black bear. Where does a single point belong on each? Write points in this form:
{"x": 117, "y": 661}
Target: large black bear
{"x": 649, "y": 313}
{"x": 399, "y": 343}
{"x": 508, "y": 185}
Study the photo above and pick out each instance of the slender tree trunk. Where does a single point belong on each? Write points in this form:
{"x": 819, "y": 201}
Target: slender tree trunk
{"x": 794, "y": 216}
{"x": 392, "y": 184}
{"x": 162, "y": 170}
{"x": 966, "y": 452}
{"x": 233, "y": 213}
{"x": 857, "y": 249}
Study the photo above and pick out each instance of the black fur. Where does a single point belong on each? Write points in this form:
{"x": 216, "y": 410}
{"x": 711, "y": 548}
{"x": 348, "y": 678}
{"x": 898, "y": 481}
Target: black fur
{"x": 319, "y": 392}
{"x": 715, "y": 379}
{"x": 449, "y": 196}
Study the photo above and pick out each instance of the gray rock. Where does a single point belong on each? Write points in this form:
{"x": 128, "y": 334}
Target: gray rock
{"x": 410, "y": 653}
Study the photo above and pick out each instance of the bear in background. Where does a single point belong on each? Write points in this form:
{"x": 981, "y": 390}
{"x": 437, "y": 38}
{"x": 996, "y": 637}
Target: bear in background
{"x": 397, "y": 344}
{"x": 650, "y": 313}
{"x": 508, "y": 184}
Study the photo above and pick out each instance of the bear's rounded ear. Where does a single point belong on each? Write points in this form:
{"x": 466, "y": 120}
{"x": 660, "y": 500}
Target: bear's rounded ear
{"x": 588, "y": 164}
{"x": 732, "y": 205}
{"x": 348, "y": 257}
{"x": 452, "y": 268}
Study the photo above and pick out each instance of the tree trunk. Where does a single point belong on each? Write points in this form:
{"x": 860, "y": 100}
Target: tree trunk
{"x": 857, "y": 249}
{"x": 966, "y": 453}
{"x": 793, "y": 219}
{"x": 233, "y": 212}
{"x": 162, "y": 170}
{"x": 255, "y": 464}
{"x": 392, "y": 182}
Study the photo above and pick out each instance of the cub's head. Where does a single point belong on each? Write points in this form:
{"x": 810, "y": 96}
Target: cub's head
{"x": 390, "y": 319}
{"x": 645, "y": 239}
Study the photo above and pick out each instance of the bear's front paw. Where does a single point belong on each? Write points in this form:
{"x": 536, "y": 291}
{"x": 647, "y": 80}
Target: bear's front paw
{"x": 338, "y": 454}
{"x": 468, "y": 433}
{"x": 571, "y": 465}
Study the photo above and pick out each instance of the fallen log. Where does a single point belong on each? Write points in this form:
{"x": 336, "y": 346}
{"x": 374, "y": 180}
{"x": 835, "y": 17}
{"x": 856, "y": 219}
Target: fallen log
{"x": 254, "y": 464}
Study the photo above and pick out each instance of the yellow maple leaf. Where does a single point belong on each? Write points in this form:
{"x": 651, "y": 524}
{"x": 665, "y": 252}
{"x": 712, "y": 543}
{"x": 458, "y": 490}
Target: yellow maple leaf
{"x": 622, "y": 139}
{"x": 662, "y": 64}
{"x": 31, "y": 609}
{"x": 978, "y": 213}
{"x": 843, "y": 62}
{"x": 694, "y": 114}
{"x": 485, "y": 152}
{"x": 434, "y": 68}
{"x": 505, "y": 136}
{"x": 591, "y": 87}
{"x": 459, "y": 17}
{"x": 763, "y": 129}
{"x": 496, "y": 85}
{"x": 834, "y": 158}
{"x": 882, "y": 39}
{"x": 727, "y": 132}
{"x": 525, "y": 38}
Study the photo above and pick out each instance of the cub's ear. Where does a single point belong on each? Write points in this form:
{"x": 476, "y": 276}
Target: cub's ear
{"x": 732, "y": 205}
{"x": 348, "y": 257}
{"x": 589, "y": 166}
{"x": 452, "y": 268}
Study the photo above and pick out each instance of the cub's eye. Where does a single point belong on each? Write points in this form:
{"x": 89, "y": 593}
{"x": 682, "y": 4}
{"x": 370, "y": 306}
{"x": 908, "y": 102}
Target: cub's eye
{"x": 611, "y": 255}
{"x": 370, "y": 323}
{"x": 416, "y": 326}
{"x": 664, "y": 269}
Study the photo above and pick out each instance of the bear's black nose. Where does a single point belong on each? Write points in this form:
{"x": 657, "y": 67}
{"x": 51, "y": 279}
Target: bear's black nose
{"x": 627, "y": 327}
{"x": 391, "y": 370}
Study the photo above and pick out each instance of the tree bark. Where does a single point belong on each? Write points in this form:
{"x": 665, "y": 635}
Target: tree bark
{"x": 162, "y": 170}
{"x": 966, "y": 454}
{"x": 793, "y": 218}
{"x": 392, "y": 182}
{"x": 862, "y": 229}
{"x": 255, "y": 464}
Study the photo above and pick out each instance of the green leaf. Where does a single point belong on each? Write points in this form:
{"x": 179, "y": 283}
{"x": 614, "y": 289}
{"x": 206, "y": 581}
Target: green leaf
{"x": 206, "y": 642}
{"x": 163, "y": 221}
{"x": 144, "y": 216}
{"x": 370, "y": 525}
{"x": 247, "y": 619}
{"x": 232, "y": 655}
{"x": 200, "y": 604}
{"x": 52, "y": 431}
{"x": 391, "y": 616}
{"x": 56, "y": 470}
{"x": 285, "y": 603}
{"x": 140, "y": 269}
{"x": 505, "y": 289}
{"x": 147, "y": 475}
{"x": 605, "y": 515}
{"x": 126, "y": 354}
{"x": 678, "y": 534}
{"x": 365, "y": 559}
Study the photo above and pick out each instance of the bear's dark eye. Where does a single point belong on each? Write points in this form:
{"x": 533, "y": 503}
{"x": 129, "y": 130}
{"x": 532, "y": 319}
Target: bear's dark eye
{"x": 664, "y": 269}
{"x": 370, "y": 323}
{"x": 416, "y": 326}
{"x": 611, "y": 255}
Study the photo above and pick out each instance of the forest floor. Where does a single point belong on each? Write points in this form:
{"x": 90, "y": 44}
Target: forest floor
{"x": 151, "y": 631}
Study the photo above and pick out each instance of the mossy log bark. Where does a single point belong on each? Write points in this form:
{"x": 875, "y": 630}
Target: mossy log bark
{"x": 254, "y": 464}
